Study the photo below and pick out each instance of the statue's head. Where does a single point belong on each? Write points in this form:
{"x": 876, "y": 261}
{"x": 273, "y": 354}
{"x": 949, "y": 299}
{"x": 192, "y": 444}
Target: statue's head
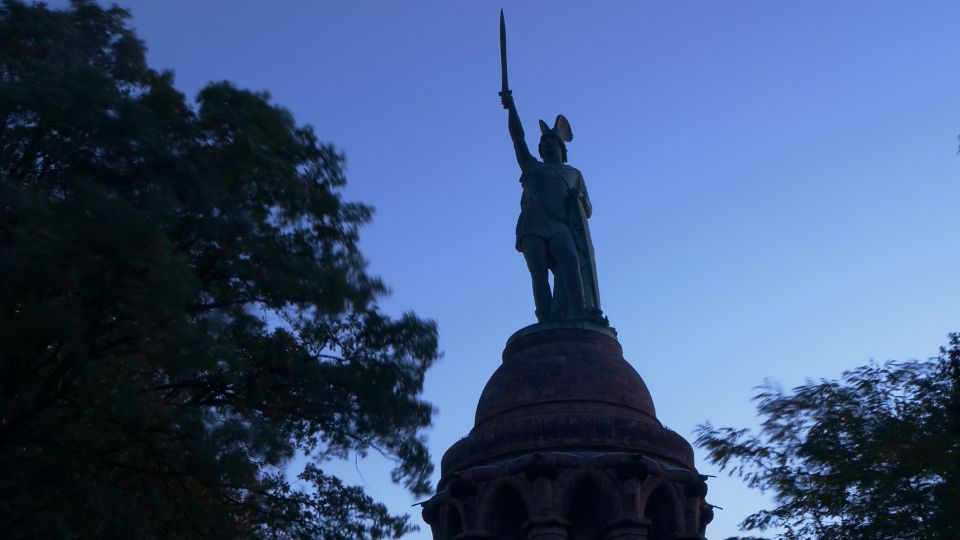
{"x": 553, "y": 140}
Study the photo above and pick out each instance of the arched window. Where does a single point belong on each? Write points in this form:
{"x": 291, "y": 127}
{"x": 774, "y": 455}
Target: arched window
{"x": 508, "y": 514}
{"x": 660, "y": 512}
{"x": 589, "y": 511}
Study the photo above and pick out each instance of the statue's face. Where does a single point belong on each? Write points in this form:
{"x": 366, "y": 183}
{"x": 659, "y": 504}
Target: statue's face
{"x": 551, "y": 149}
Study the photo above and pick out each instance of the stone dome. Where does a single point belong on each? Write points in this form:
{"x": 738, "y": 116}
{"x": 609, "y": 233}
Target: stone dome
{"x": 566, "y": 369}
{"x": 565, "y": 389}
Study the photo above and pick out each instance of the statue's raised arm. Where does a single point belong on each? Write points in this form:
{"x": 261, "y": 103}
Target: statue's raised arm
{"x": 516, "y": 131}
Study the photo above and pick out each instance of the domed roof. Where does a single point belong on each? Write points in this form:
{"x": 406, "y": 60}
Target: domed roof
{"x": 565, "y": 388}
{"x": 568, "y": 367}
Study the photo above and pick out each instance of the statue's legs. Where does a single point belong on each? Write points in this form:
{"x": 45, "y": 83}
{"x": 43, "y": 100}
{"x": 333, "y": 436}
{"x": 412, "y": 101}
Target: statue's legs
{"x": 536, "y": 254}
{"x": 567, "y": 275}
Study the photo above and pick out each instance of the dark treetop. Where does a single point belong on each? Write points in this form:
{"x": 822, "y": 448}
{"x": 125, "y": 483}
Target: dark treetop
{"x": 183, "y": 306}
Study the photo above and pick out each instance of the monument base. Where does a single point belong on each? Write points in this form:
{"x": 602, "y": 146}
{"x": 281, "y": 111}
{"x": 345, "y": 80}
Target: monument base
{"x": 566, "y": 444}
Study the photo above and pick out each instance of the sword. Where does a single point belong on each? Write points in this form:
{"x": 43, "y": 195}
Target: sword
{"x": 505, "y": 91}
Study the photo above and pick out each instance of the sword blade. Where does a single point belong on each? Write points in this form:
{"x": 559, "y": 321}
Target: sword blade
{"x": 503, "y": 54}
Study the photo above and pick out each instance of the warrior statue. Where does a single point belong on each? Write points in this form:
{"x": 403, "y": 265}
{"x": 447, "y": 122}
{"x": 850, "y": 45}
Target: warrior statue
{"x": 552, "y": 230}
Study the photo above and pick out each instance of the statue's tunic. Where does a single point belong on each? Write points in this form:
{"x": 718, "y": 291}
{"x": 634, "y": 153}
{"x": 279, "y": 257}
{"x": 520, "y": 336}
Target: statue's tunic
{"x": 548, "y": 209}
{"x": 544, "y": 203}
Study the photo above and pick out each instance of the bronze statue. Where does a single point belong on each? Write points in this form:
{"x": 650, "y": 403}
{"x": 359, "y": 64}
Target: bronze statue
{"x": 552, "y": 230}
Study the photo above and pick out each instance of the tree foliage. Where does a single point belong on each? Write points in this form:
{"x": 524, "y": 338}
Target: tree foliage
{"x": 874, "y": 455}
{"x": 183, "y": 305}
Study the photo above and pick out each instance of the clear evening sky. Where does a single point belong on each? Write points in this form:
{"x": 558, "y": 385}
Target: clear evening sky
{"x": 775, "y": 184}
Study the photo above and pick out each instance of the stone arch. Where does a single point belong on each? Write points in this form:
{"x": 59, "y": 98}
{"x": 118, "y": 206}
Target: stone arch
{"x": 505, "y": 509}
{"x": 662, "y": 505}
{"x": 589, "y": 500}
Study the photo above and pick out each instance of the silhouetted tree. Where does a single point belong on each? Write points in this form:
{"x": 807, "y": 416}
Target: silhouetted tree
{"x": 183, "y": 306}
{"x": 874, "y": 455}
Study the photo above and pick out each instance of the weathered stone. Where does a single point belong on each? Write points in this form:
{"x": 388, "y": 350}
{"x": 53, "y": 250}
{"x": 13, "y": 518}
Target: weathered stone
{"x": 550, "y": 528}
{"x": 565, "y": 388}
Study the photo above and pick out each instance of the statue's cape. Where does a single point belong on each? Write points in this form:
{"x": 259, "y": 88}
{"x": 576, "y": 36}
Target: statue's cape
{"x": 588, "y": 264}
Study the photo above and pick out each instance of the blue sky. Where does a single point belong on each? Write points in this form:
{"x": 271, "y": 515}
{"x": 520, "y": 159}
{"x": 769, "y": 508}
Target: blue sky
{"x": 775, "y": 184}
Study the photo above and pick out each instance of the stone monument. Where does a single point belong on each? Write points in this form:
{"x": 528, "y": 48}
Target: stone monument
{"x": 566, "y": 444}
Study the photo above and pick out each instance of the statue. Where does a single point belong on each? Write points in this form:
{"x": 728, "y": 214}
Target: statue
{"x": 552, "y": 231}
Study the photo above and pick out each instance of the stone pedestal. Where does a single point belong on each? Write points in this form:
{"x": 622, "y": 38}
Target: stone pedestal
{"x": 566, "y": 445}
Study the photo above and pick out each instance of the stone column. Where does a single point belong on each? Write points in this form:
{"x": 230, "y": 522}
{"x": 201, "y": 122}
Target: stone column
{"x": 549, "y": 528}
{"x": 626, "y": 529}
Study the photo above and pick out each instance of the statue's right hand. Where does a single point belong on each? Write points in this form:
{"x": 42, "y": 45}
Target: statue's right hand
{"x": 506, "y": 98}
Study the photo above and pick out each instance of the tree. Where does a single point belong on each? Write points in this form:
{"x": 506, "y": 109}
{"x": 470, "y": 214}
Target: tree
{"x": 183, "y": 305}
{"x": 874, "y": 455}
